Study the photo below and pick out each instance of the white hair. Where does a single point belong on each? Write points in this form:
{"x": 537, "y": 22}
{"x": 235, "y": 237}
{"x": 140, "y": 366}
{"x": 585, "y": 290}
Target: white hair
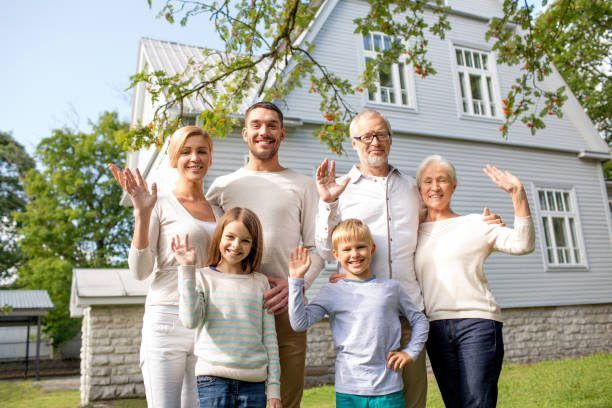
{"x": 366, "y": 114}
{"x": 439, "y": 160}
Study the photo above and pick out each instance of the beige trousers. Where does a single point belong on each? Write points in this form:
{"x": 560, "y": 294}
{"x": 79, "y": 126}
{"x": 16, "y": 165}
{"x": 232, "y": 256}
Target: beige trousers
{"x": 292, "y": 354}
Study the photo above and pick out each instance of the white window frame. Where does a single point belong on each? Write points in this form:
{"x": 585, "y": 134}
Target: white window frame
{"x": 399, "y": 71}
{"x": 560, "y": 203}
{"x": 484, "y": 67}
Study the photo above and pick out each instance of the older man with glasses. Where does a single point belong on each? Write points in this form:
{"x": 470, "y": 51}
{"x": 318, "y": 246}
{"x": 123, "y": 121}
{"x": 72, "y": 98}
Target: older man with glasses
{"x": 388, "y": 202}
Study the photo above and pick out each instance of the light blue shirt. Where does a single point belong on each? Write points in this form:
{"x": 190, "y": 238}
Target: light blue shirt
{"x": 364, "y": 319}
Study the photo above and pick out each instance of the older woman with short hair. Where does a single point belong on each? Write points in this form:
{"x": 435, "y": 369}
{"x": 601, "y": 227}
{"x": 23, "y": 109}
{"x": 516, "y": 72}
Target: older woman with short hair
{"x": 167, "y": 358}
{"x": 465, "y": 344}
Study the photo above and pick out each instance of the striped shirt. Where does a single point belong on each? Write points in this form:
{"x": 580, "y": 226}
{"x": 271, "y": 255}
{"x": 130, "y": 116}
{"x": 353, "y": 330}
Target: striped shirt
{"x": 235, "y": 337}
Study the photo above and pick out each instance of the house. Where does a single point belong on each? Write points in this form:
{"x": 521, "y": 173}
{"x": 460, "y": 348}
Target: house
{"x": 557, "y": 301}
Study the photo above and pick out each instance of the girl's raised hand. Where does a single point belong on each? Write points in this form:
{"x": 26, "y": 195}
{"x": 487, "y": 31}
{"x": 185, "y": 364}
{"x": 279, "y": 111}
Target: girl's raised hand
{"x": 503, "y": 179}
{"x": 184, "y": 254}
{"x": 299, "y": 262}
{"x": 136, "y": 187}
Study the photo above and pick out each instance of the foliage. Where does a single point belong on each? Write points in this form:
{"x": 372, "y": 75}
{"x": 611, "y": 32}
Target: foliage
{"x": 73, "y": 218}
{"x": 264, "y": 57}
{"x": 580, "y": 46}
{"x": 14, "y": 163}
{"x": 607, "y": 169}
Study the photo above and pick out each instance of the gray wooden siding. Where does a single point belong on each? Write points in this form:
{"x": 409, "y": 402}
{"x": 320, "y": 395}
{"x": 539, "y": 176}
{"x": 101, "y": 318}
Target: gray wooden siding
{"x": 339, "y": 49}
{"x": 517, "y": 281}
{"x": 483, "y": 8}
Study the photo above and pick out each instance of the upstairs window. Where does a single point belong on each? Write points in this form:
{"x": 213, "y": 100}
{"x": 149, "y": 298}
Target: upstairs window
{"x": 562, "y": 234}
{"x": 395, "y": 85}
{"x": 477, "y": 83}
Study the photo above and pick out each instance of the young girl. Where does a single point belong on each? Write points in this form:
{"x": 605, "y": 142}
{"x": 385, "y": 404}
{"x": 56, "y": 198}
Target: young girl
{"x": 237, "y": 353}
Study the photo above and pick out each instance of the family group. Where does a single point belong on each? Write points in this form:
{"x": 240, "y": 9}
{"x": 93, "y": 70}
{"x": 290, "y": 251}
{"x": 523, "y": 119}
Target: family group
{"x": 226, "y": 315}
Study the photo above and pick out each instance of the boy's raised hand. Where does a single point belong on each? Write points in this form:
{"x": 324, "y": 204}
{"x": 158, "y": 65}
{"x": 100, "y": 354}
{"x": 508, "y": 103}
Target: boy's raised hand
{"x": 299, "y": 262}
{"x": 184, "y": 254}
{"x": 397, "y": 360}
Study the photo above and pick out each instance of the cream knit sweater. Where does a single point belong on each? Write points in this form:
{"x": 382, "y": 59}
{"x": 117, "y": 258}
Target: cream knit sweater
{"x": 449, "y": 264}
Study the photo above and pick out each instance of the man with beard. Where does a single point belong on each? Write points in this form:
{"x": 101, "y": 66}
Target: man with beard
{"x": 388, "y": 202}
{"x": 285, "y": 202}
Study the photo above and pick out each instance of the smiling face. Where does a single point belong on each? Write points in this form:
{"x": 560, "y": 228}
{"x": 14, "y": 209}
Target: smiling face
{"x": 376, "y": 153}
{"x": 355, "y": 257}
{"x": 436, "y": 187}
{"x": 235, "y": 245}
{"x": 194, "y": 158}
{"x": 263, "y": 132}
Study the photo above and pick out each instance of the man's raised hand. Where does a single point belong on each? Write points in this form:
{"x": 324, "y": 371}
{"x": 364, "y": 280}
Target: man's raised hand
{"x": 329, "y": 190}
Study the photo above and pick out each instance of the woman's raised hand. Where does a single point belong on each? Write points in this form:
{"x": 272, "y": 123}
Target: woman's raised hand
{"x": 504, "y": 179}
{"x": 299, "y": 262}
{"x": 136, "y": 187}
{"x": 183, "y": 253}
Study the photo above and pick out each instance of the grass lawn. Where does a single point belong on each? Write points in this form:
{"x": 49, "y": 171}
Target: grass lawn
{"x": 583, "y": 382}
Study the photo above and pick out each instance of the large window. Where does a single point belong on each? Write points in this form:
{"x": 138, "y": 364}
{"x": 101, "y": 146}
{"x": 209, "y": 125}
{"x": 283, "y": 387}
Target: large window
{"x": 477, "y": 83}
{"x": 562, "y": 234}
{"x": 395, "y": 84}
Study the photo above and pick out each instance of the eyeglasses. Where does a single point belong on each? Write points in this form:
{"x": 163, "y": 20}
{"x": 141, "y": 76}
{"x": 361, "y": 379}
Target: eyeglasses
{"x": 369, "y": 137}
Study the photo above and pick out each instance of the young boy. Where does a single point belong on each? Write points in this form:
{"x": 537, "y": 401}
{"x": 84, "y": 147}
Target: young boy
{"x": 364, "y": 316}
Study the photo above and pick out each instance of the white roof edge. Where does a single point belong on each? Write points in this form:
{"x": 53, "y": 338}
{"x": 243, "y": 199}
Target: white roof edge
{"x": 317, "y": 22}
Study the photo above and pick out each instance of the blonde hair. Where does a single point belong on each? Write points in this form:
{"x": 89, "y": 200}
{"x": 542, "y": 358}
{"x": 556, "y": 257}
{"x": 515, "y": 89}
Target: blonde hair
{"x": 439, "y": 160}
{"x": 351, "y": 229}
{"x": 251, "y": 222}
{"x": 178, "y": 138}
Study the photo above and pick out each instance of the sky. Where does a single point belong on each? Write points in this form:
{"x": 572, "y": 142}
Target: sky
{"x": 64, "y": 62}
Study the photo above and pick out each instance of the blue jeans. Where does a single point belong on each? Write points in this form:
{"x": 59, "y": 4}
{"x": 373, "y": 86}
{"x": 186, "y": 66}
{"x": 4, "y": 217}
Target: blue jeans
{"x": 466, "y": 357}
{"x": 219, "y": 392}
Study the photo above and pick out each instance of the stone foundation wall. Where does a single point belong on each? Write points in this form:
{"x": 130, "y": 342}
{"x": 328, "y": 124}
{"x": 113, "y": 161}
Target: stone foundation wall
{"x": 530, "y": 335}
{"x": 547, "y": 333}
{"x": 111, "y": 343}
{"x": 110, "y": 353}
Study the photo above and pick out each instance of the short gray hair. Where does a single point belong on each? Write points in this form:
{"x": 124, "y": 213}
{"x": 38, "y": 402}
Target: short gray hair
{"x": 436, "y": 159}
{"x": 366, "y": 114}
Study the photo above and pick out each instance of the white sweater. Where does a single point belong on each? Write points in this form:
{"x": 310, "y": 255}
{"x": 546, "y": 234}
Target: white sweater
{"x": 169, "y": 218}
{"x": 449, "y": 264}
{"x": 286, "y": 204}
{"x": 235, "y": 337}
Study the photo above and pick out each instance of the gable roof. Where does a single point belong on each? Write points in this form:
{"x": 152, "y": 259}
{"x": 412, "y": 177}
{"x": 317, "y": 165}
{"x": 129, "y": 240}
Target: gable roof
{"x": 105, "y": 287}
{"x": 26, "y": 302}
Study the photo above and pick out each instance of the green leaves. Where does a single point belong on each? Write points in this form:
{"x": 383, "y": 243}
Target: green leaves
{"x": 73, "y": 217}
{"x": 262, "y": 60}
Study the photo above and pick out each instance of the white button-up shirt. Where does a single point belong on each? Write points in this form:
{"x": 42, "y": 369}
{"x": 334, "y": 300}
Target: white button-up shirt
{"x": 390, "y": 207}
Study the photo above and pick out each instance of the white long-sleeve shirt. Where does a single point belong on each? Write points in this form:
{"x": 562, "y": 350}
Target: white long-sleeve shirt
{"x": 390, "y": 207}
{"x": 168, "y": 219}
{"x": 450, "y": 261}
{"x": 285, "y": 202}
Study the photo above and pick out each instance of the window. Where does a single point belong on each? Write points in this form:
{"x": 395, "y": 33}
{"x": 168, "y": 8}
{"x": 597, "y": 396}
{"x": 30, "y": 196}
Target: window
{"x": 562, "y": 235}
{"x": 477, "y": 83}
{"x": 395, "y": 85}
